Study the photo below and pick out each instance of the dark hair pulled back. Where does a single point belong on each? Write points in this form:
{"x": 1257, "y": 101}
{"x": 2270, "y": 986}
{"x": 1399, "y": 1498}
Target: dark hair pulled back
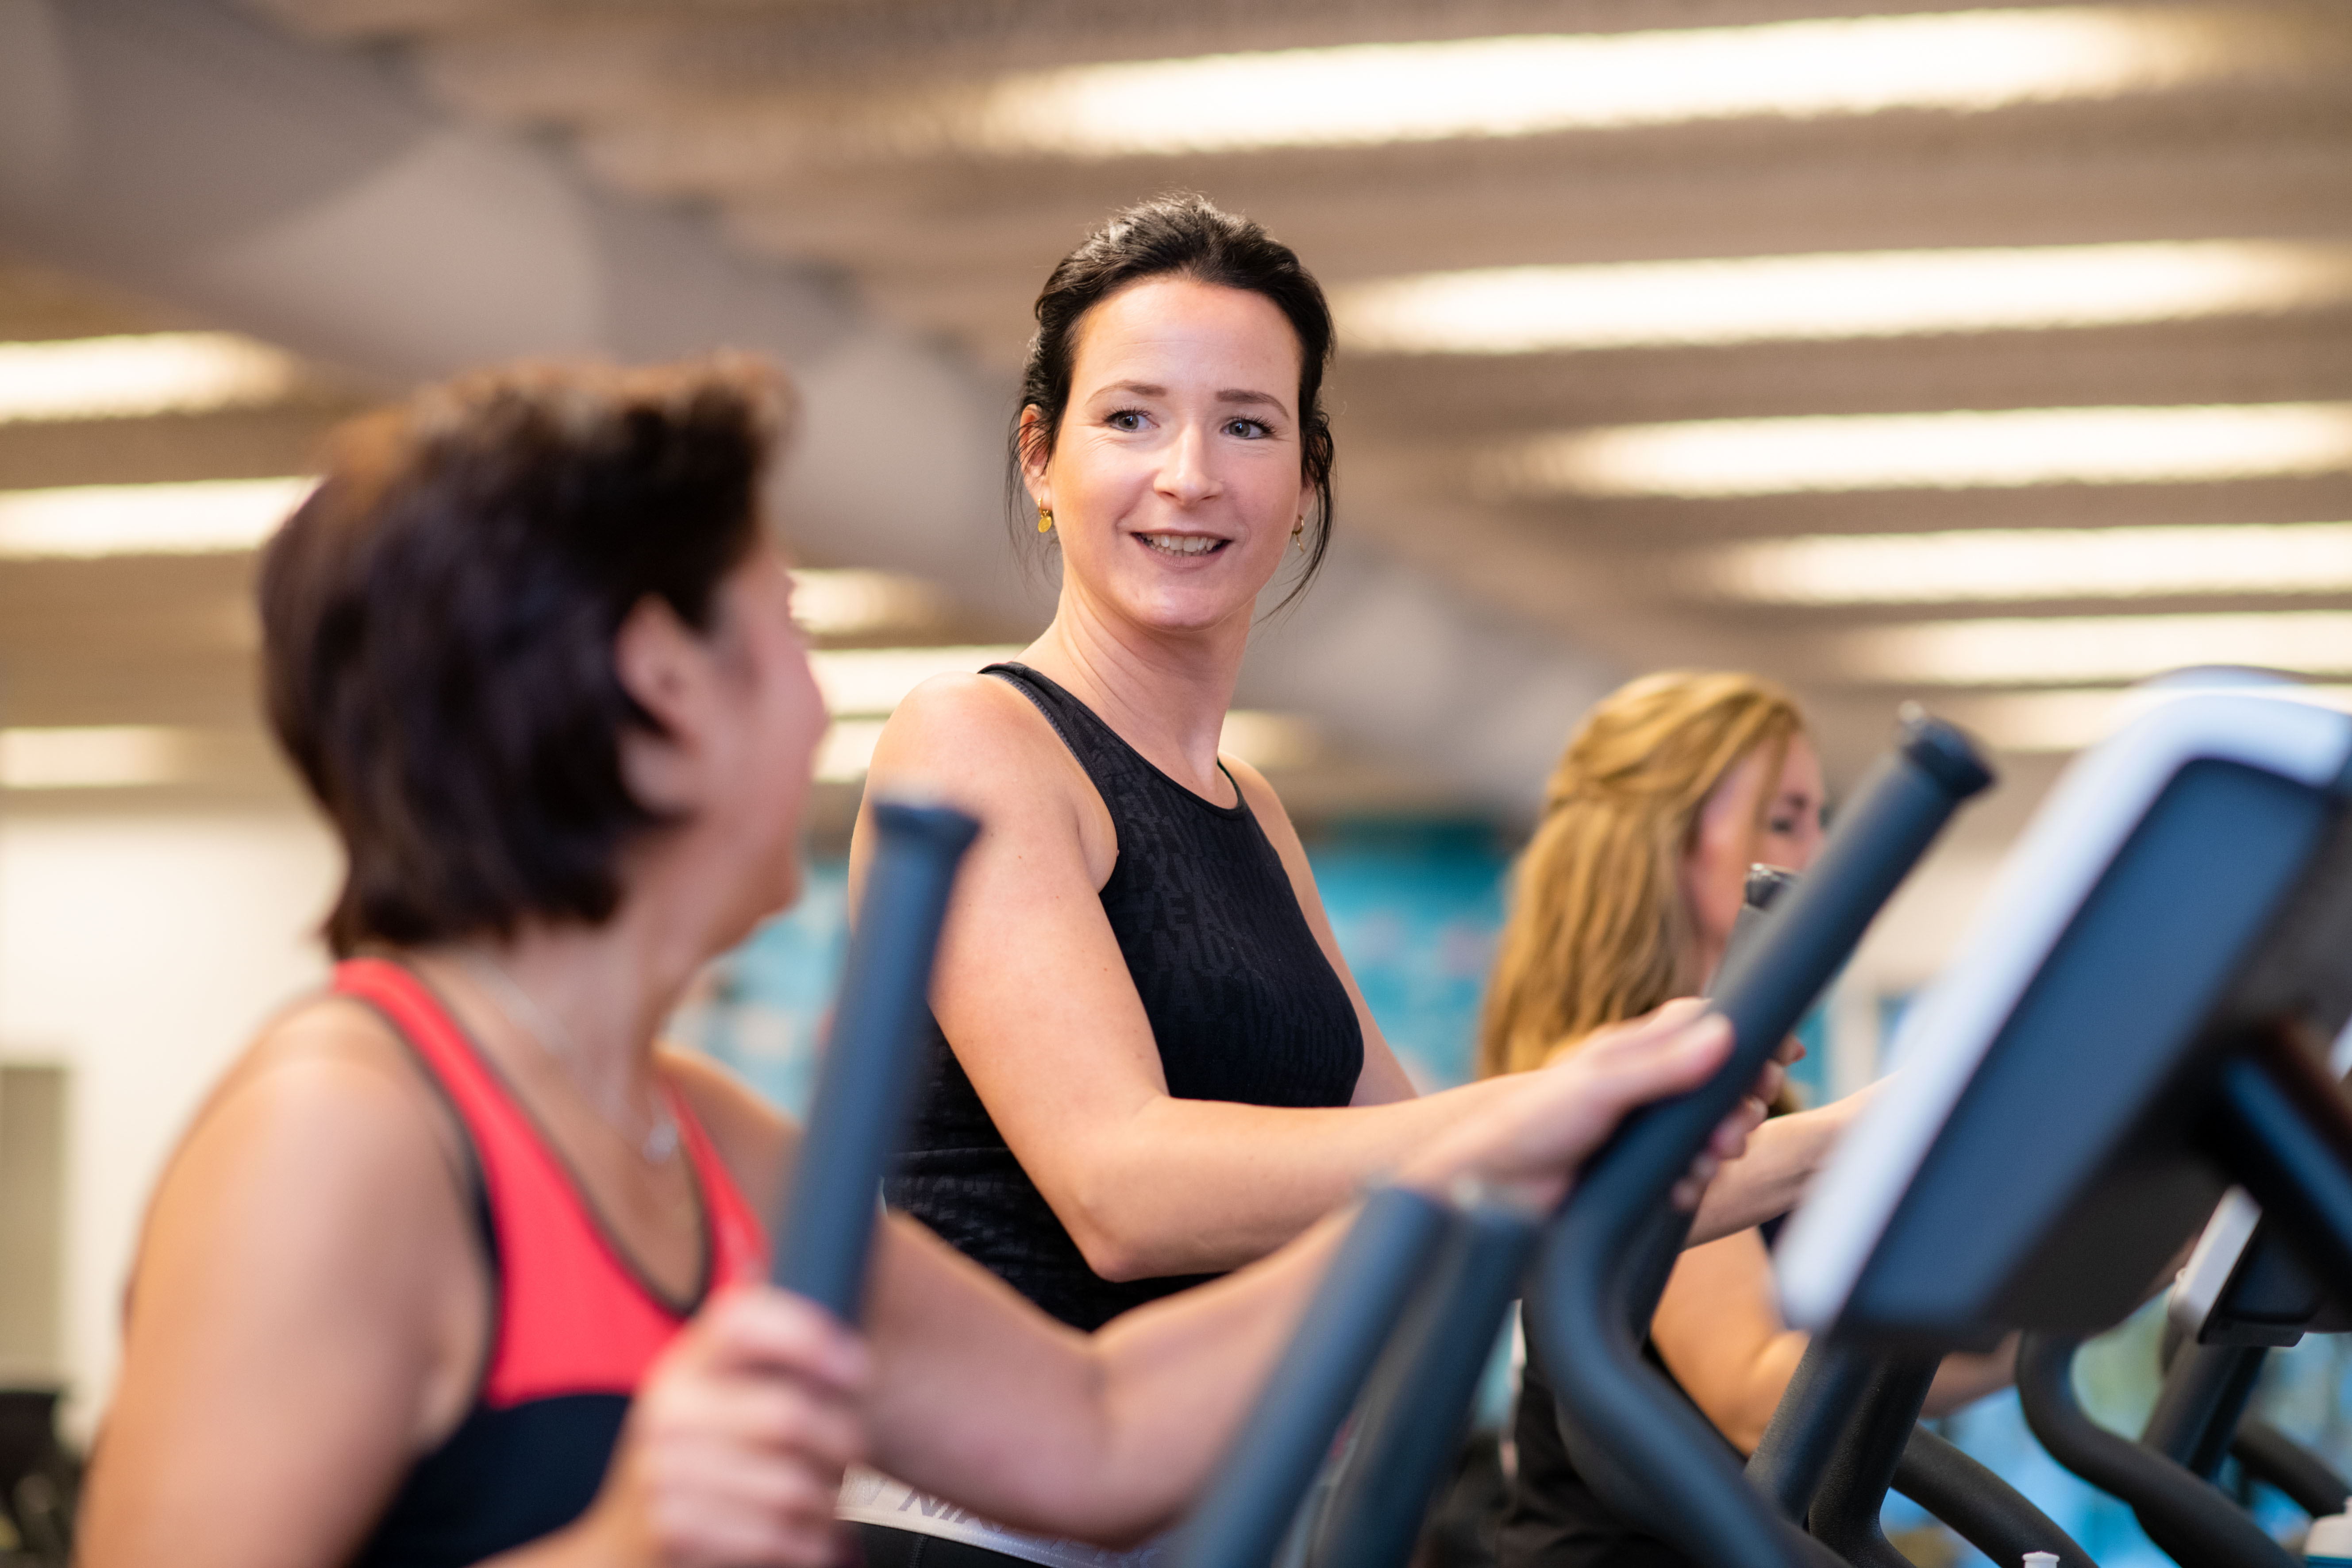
{"x": 1186, "y": 236}
{"x": 438, "y": 622}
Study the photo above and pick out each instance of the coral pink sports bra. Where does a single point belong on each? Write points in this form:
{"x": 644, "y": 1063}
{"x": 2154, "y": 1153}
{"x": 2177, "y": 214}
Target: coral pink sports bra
{"x": 574, "y": 1325}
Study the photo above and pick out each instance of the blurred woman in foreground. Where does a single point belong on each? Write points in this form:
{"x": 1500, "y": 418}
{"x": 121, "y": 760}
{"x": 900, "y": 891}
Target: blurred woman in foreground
{"x": 1669, "y": 791}
{"x": 456, "y": 1264}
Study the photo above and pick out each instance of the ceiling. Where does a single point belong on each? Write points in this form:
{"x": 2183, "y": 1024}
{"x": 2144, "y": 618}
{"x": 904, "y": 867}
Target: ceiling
{"x": 935, "y": 157}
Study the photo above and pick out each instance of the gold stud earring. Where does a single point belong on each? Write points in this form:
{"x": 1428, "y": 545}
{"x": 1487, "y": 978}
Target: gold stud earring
{"x": 1045, "y": 518}
{"x": 1298, "y": 535}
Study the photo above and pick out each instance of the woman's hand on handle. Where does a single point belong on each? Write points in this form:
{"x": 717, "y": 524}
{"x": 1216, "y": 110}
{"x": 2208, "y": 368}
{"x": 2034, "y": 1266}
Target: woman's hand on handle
{"x": 734, "y": 1449}
{"x": 1533, "y": 1141}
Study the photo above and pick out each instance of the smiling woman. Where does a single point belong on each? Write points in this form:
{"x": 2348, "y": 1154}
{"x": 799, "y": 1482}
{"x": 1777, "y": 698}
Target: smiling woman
{"x": 1152, "y": 1064}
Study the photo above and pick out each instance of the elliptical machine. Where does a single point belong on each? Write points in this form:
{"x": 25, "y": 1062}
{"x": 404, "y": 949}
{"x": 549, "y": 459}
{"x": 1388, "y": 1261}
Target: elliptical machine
{"x": 2137, "y": 1020}
{"x": 1429, "y": 1282}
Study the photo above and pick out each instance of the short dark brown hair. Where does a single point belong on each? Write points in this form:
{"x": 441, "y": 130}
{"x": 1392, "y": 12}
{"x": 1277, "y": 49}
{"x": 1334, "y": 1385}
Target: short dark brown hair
{"x": 1179, "y": 234}
{"x": 438, "y": 622}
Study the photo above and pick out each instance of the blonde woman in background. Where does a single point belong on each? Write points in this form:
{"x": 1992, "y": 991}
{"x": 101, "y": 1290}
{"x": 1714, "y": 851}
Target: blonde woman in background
{"x": 1672, "y": 787}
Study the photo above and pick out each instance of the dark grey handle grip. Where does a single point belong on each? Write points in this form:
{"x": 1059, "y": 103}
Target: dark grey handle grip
{"x": 873, "y": 1058}
{"x": 1417, "y": 1405}
{"x": 1249, "y": 1505}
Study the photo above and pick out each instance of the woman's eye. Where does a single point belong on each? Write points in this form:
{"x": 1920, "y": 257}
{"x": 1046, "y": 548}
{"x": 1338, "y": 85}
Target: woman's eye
{"x": 1125, "y": 419}
{"x": 1248, "y": 430}
{"x": 1783, "y": 826}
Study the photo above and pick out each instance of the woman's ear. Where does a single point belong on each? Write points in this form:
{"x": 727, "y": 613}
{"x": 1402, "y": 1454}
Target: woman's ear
{"x": 1033, "y": 457}
{"x": 668, "y": 672}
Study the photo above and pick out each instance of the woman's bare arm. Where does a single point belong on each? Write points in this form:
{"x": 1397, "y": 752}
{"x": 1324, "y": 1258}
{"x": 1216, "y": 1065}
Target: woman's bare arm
{"x": 297, "y": 1329}
{"x": 1720, "y": 1330}
{"x": 1782, "y": 1157}
{"x": 980, "y": 1398}
{"x": 1033, "y": 994}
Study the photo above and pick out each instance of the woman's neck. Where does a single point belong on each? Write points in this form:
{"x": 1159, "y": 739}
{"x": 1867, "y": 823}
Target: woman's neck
{"x": 1165, "y": 693}
{"x": 592, "y": 997}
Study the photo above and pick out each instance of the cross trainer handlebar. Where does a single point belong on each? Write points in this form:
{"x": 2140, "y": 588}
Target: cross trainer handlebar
{"x": 866, "y": 1091}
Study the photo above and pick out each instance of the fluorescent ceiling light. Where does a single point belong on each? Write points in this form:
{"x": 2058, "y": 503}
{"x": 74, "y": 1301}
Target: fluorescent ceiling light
{"x": 1368, "y": 93}
{"x": 2033, "y": 563}
{"x": 847, "y": 750}
{"x": 873, "y": 680}
{"x": 1534, "y": 310}
{"x": 1271, "y": 742}
{"x": 1717, "y": 457}
{"x": 139, "y": 376}
{"x": 111, "y": 756}
{"x": 2017, "y": 651}
{"x": 2067, "y": 721}
{"x": 145, "y": 520}
{"x": 839, "y": 602}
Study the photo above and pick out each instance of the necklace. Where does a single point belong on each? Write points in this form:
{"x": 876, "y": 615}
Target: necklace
{"x": 548, "y": 1033}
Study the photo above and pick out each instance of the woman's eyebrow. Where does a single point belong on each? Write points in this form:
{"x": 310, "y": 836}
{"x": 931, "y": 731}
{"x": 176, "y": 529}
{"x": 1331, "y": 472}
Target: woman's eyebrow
{"x": 1242, "y": 395}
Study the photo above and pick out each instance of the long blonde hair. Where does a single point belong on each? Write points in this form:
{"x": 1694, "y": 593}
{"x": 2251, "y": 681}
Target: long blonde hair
{"x": 1597, "y": 930}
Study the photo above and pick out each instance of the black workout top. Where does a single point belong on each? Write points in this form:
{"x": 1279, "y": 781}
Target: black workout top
{"x": 1551, "y": 1516}
{"x": 1243, "y": 1007}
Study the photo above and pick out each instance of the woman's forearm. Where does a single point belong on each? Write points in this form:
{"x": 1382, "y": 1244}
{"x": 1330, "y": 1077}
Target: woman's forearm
{"x": 980, "y": 1399}
{"x": 1192, "y": 1186}
{"x": 1102, "y": 1438}
{"x": 1782, "y": 1158}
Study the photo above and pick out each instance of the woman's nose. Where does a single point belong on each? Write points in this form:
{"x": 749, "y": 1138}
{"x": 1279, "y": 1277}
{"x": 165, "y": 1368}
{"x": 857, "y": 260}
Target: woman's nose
{"x": 1186, "y": 476}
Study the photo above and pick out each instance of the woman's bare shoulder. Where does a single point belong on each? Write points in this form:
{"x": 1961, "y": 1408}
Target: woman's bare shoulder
{"x": 323, "y": 1141}
{"x": 976, "y": 742}
{"x": 336, "y": 1060}
{"x": 1254, "y": 788}
{"x": 957, "y": 719}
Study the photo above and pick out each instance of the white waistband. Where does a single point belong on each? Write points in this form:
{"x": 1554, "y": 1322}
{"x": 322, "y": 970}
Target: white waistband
{"x": 868, "y": 1497}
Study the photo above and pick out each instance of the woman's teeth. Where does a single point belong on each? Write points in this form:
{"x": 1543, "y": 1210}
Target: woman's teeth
{"x": 1180, "y": 543}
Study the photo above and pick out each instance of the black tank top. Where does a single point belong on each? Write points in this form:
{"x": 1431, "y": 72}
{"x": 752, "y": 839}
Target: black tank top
{"x": 1243, "y": 1007}
{"x": 1551, "y": 1516}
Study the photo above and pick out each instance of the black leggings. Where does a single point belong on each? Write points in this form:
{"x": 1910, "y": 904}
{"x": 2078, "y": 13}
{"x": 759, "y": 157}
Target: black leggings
{"x": 889, "y": 1548}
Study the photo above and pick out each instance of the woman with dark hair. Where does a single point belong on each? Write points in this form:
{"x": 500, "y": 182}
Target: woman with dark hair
{"x": 456, "y": 1264}
{"x": 1153, "y": 1064}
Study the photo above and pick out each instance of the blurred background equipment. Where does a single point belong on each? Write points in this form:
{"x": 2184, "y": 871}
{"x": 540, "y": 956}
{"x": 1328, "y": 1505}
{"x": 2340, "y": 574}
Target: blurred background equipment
{"x": 1998, "y": 357}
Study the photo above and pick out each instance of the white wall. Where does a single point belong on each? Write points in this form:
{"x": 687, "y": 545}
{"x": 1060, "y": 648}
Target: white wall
{"x": 140, "y": 950}
{"x": 1908, "y": 945}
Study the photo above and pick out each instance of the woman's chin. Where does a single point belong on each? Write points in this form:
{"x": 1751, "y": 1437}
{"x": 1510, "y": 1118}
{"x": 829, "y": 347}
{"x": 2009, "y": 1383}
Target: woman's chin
{"x": 1182, "y": 608}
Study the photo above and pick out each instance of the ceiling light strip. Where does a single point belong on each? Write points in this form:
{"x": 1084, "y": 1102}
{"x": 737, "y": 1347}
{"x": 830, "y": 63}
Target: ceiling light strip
{"x": 2005, "y": 449}
{"x": 1365, "y": 94}
{"x": 140, "y": 376}
{"x": 2063, "y": 650}
{"x": 2032, "y": 563}
{"x": 871, "y": 682}
{"x": 201, "y": 516}
{"x": 2065, "y": 720}
{"x": 108, "y": 756}
{"x": 1867, "y": 294}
